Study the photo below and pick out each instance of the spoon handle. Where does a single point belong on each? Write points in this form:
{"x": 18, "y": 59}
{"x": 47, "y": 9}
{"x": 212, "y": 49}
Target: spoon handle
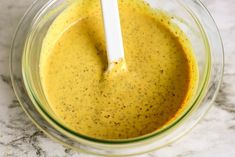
{"x": 113, "y": 34}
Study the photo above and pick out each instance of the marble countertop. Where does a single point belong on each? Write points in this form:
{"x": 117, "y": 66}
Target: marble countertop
{"x": 214, "y": 136}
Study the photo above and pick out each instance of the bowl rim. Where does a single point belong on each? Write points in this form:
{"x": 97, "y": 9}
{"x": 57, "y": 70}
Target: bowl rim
{"x": 101, "y": 141}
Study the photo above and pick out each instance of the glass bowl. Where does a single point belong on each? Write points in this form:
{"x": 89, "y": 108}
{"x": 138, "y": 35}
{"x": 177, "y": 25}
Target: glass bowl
{"x": 191, "y": 16}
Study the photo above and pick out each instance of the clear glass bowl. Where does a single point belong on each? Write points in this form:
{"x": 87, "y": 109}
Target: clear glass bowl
{"x": 191, "y": 16}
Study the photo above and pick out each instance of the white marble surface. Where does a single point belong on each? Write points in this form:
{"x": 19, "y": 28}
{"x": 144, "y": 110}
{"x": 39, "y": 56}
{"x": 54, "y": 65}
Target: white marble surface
{"x": 213, "y": 137}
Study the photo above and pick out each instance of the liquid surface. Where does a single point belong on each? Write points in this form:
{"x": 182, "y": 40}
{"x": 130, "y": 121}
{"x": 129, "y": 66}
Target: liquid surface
{"x": 158, "y": 84}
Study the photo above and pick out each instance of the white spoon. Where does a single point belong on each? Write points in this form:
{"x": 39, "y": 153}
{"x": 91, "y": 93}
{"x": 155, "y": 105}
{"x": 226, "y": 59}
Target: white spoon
{"x": 113, "y": 33}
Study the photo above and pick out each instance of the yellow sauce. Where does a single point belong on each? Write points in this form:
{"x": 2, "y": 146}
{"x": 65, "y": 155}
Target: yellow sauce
{"x": 160, "y": 80}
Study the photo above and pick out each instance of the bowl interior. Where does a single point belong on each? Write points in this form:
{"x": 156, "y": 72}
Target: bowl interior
{"x": 50, "y": 11}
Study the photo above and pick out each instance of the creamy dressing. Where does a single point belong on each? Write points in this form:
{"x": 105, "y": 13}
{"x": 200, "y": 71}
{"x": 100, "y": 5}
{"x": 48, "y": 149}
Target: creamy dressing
{"x": 160, "y": 80}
